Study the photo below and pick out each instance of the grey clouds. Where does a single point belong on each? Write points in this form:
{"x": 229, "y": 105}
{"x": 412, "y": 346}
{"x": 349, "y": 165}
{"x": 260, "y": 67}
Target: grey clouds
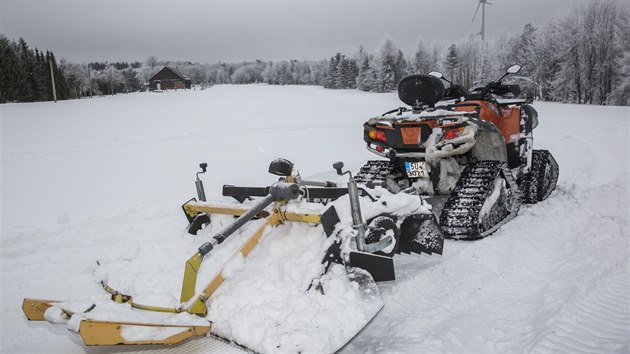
{"x": 210, "y": 31}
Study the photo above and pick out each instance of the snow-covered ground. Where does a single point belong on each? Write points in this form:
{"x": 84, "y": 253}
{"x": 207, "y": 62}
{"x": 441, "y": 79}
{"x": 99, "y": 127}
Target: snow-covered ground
{"x": 101, "y": 179}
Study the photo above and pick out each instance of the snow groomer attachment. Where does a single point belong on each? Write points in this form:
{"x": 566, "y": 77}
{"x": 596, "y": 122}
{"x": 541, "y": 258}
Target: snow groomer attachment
{"x": 98, "y": 323}
{"x": 348, "y": 253}
{"x": 395, "y": 223}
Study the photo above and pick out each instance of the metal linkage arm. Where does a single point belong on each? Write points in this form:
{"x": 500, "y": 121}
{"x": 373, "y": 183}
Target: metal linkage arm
{"x": 242, "y": 193}
{"x": 278, "y": 191}
{"x": 235, "y": 225}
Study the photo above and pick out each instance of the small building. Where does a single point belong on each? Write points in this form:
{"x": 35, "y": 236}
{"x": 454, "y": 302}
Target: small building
{"x": 168, "y": 78}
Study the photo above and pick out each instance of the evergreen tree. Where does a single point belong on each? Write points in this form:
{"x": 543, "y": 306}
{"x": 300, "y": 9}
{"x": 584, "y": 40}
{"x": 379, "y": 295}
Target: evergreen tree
{"x": 27, "y": 66}
{"x": 386, "y": 66}
{"x": 452, "y": 62}
{"x": 353, "y": 72}
{"x": 11, "y": 73}
{"x": 331, "y": 73}
{"x": 37, "y": 77}
{"x": 400, "y": 67}
{"x": 346, "y": 73}
{"x": 366, "y": 80}
{"x": 421, "y": 60}
{"x": 341, "y": 73}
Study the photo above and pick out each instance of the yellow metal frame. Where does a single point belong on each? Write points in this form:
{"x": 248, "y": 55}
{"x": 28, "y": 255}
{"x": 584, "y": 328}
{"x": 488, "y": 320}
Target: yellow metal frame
{"x": 34, "y": 309}
{"x": 277, "y": 216}
{"x": 95, "y": 332}
{"x": 126, "y": 299}
{"x": 112, "y": 333}
{"x": 193, "y": 207}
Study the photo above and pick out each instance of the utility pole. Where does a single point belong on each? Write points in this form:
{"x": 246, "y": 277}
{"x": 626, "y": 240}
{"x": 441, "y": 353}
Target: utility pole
{"x": 90, "y": 81}
{"x": 126, "y": 87}
{"x": 52, "y": 79}
{"x": 111, "y": 87}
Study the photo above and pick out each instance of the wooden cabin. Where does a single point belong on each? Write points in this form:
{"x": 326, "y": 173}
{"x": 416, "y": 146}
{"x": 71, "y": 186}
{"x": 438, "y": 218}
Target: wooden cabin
{"x": 168, "y": 79}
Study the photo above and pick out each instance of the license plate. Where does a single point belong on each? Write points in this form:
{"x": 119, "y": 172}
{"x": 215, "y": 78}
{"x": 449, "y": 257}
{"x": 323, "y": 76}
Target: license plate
{"x": 416, "y": 169}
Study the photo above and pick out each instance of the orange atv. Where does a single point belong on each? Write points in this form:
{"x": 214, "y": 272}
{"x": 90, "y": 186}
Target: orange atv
{"x": 472, "y": 155}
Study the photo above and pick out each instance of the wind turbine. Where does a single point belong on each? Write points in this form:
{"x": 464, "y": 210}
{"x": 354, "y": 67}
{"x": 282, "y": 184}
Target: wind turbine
{"x": 483, "y": 16}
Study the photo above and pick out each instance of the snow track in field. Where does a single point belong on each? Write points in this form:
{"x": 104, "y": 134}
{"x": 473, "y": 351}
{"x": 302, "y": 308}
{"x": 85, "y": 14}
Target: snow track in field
{"x": 545, "y": 288}
{"x": 83, "y": 180}
{"x": 595, "y": 320}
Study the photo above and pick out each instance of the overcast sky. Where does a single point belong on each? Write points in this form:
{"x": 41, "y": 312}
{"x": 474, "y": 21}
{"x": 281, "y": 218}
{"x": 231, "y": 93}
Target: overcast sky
{"x": 210, "y": 31}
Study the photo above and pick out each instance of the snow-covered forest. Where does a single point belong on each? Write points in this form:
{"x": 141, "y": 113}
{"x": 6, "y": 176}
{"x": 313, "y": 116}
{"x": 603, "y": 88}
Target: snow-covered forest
{"x": 581, "y": 55}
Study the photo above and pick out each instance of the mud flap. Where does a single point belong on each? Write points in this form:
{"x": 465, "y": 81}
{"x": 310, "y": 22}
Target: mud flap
{"x": 381, "y": 268}
{"x": 421, "y": 233}
{"x": 329, "y": 220}
{"x": 551, "y": 175}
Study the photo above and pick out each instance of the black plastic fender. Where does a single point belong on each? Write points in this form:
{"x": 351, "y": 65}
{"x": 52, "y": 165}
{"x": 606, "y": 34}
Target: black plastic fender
{"x": 489, "y": 145}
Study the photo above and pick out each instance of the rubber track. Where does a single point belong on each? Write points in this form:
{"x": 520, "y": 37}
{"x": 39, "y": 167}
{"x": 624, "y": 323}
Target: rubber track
{"x": 460, "y": 216}
{"x": 532, "y": 184}
{"x": 374, "y": 173}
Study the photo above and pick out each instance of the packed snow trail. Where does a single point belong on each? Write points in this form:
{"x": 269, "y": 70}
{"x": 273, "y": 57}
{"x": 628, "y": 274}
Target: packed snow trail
{"x": 88, "y": 179}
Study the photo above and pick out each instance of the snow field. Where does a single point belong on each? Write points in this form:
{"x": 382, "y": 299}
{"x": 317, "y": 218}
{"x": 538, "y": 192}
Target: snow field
{"x": 103, "y": 179}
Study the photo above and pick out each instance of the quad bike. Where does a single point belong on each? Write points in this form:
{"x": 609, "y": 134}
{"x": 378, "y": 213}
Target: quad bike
{"x": 363, "y": 248}
{"x": 472, "y": 155}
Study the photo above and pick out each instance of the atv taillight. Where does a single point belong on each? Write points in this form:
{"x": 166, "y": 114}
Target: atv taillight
{"x": 377, "y": 135}
{"x": 452, "y": 133}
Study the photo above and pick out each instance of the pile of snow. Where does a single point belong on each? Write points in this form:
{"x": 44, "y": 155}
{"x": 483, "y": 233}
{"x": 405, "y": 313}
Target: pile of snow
{"x": 270, "y": 306}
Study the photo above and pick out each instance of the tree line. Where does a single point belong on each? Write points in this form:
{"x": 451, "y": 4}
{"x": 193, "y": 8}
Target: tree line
{"x": 25, "y": 73}
{"x": 102, "y": 78}
{"x": 579, "y": 56}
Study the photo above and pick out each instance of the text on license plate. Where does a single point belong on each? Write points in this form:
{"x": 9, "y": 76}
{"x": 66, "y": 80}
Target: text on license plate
{"x": 416, "y": 169}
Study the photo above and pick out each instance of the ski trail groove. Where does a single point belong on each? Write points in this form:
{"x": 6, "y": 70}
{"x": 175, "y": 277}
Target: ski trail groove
{"x": 596, "y": 321}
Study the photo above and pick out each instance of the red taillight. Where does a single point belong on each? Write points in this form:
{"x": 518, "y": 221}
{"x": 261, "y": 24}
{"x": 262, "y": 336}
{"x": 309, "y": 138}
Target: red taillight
{"x": 452, "y": 133}
{"x": 377, "y": 135}
{"x": 379, "y": 148}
